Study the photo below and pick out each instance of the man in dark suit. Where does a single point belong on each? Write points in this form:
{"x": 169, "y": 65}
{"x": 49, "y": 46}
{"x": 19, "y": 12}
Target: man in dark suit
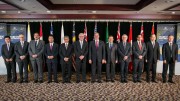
{"x": 65, "y": 52}
{"x": 111, "y": 59}
{"x": 124, "y": 51}
{"x": 97, "y": 57}
{"x": 139, "y": 52}
{"x": 152, "y": 57}
{"x": 8, "y": 55}
{"x": 21, "y": 51}
{"x": 81, "y": 50}
{"x": 170, "y": 56}
{"x": 36, "y": 50}
{"x": 51, "y": 53}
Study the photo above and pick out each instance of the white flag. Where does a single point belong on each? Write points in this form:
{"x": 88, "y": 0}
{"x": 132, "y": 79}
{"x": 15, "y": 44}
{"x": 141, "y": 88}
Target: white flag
{"x": 28, "y": 33}
{"x": 62, "y": 34}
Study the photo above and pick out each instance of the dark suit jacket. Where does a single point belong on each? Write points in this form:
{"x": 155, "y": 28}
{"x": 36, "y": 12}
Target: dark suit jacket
{"x": 137, "y": 51}
{"x": 166, "y": 52}
{"x": 99, "y": 53}
{"x": 19, "y": 51}
{"x": 8, "y": 54}
{"x": 39, "y": 50}
{"x": 78, "y": 51}
{"x": 153, "y": 54}
{"x": 111, "y": 54}
{"x": 124, "y": 52}
{"x": 49, "y": 52}
{"x": 65, "y": 53}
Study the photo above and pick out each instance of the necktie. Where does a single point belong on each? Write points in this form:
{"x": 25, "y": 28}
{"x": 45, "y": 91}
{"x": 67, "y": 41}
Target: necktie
{"x": 124, "y": 44}
{"x": 51, "y": 46}
{"x": 36, "y": 43}
{"x": 171, "y": 46}
{"x": 153, "y": 44}
{"x": 8, "y": 46}
{"x": 22, "y": 44}
{"x": 81, "y": 44}
{"x": 110, "y": 46}
{"x": 140, "y": 46}
{"x": 97, "y": 45}
{"x": 66, "y": 45}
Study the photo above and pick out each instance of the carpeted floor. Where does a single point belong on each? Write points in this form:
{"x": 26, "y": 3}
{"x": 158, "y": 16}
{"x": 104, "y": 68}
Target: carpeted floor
{"x": 90, "y": 92}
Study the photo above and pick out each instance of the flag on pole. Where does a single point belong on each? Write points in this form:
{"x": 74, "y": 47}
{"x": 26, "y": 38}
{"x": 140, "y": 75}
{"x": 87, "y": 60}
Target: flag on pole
{"x": 28, "y": 40}
{"x": 41, "y": 32}
{"x": 95, "y": 27}
{"x": 142, "y": 32}
{"x": 73, "y": 33}
{"x": 130, "y": 68}
{"x": 51, "y": 30}
{"x": 107, "y": 33}
{"x": 62, "y": 33}
{"x": 118, "y": 33}
{"x": 85, "y": 32}
{"x": 152, "y": 31}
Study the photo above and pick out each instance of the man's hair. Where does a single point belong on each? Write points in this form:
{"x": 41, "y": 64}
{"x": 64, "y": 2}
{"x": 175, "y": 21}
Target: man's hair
{"x": 36, "y": 33}
{"x": 170, "y": 35}
{"x": 139, "y": 35}
{"x": 125, "y": 35}
{"x": 110, "y": 36}
{"x": 152, "y": 35}
{"x": 96, "y": 33}
{"x": 81, "y": 33}
{"x": 21, "y": 34}
{"x": 51, "y": 36}
{"x": 66, "y": 37}
{"x": 7, "y": 37}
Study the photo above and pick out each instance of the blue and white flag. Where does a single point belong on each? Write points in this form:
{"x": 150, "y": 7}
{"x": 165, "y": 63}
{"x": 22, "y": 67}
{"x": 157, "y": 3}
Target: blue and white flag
{"x": 51, "y": 30}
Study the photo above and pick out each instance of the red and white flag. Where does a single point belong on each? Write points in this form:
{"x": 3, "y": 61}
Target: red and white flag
{"x": 142, "y": 32}
{"x": 118, "y": 33}
{"x": 152, "y": 31}
{"x": 41, "y": 32}
{"x": 85, "y": 32}
{"x": 130, "y": 67}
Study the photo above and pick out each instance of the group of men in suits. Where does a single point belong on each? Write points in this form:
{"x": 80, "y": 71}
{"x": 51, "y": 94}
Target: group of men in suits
{"x": 96, "y": 53}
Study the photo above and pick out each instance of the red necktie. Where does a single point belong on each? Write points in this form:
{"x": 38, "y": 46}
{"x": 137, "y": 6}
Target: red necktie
{"x": 96, "y": 44}
{"x": 140, "y": 46}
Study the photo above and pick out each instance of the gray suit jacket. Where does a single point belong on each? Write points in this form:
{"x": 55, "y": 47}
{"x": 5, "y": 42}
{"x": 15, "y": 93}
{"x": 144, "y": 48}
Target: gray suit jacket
{"x": 39, "y": 49}
{"x": 111, "y": 54}
{"x": 19, "y": 51}
{"x": 124, "y": 52}
{"x": 137, "y": 51}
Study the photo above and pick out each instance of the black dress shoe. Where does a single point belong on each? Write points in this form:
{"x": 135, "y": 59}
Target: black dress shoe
{"x": 14, "y": 81}
{"x": 93, "y": 81}
{"x": 139, "y": 81}
{"x": 154, "y": 81}
{"x": 7, "y": 81}
{"x": 21, "y": 81}
{"x": 164, "y": 81}
{"x": 125, "y": 81}
{"x": 40, "y": 81}
{"x": 99, "y": 81}
{"x": 49, "y": 81}
{"x": 63, "y": 81}
{"x": 134, "y": 81}
{"x": 107, "y": 80}
{"x": 84, "y": 81}
{"x": 78, "y": 81}
{"x": 26, "y": 81}
{"x": 122, "y": 81}
{"x": 35, "y": 81}
{"x": 112, "y": 81}
{"x": 170, "y": 81}
{"x": 68, "y": 81}
{"x": 56, "y": 81}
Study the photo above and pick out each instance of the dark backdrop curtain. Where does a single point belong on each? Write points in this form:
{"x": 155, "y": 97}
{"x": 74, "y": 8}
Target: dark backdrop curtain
{"x": 101, "y": 28}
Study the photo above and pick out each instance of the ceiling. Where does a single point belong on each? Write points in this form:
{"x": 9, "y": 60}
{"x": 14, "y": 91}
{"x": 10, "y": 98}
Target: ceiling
{"x": 140, "y": 7}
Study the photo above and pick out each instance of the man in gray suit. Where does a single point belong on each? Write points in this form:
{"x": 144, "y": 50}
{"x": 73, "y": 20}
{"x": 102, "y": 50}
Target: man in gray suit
{"x": 97, "y": 57}
{"x": 139, "y": 52}
{"x": 36, "y": 48}
{"x": 21, "y": 51}
{"x": 111, "y": 59}
{"x": 124, "y": 51}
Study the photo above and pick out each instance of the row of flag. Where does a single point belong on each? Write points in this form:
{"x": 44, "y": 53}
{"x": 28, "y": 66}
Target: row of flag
{"x": 85, "y": 32}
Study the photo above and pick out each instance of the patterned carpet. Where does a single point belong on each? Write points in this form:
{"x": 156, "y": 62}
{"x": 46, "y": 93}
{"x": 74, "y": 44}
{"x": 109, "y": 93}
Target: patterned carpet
{"x": 90, "y": 92}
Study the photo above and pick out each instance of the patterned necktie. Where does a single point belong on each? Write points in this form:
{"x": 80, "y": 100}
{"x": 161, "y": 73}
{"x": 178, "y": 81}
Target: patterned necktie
{"x": 153, "y": 44}
{"x": 81, "y": 44}
{"x": 124, "y": 44}
{"x": 36, "y": 43}
{"x": 51, "y": 46}
{"x": 8, "y": 46}
{"x": 140, "y": 46}
{"x": 22, "y": 44}
{"x": 97, "y": 45}
{"x": 171, "y": 46}
{"x": 66, "y": 45}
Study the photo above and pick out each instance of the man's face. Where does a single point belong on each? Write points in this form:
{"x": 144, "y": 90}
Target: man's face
{"x": 81, "y": 37}
{"x": 7, "y": 40}
{"x": 153, "y": 37}
{"x": 36, "y": 36}
{"x": 66, "y": 40}
{"x": 96, "y": 36}
{"x": 170, "y": 38}
{"x": 124, "y": 38}
{"x": 139, "y": 38}
{"x": 51, "y": 39}
{"x": 21, "y": 37}
{"x": 111, "y": 39}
